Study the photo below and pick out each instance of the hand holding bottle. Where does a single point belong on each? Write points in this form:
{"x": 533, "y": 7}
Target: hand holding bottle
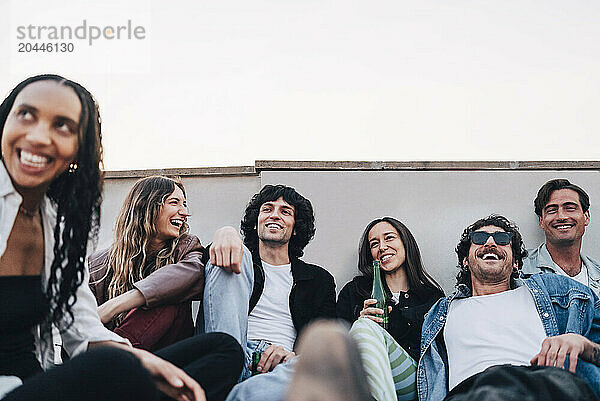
{"x": 372, "y": 312}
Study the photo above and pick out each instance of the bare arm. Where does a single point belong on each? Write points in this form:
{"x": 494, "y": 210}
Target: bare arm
{"x": 122, "y": 303}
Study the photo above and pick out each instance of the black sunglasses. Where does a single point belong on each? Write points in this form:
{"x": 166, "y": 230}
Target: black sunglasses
{"x": 500, "y": 237}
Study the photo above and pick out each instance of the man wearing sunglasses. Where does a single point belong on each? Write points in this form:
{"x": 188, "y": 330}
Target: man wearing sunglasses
{"x": 499, "y": 337}
{"x": 563, "y": 212}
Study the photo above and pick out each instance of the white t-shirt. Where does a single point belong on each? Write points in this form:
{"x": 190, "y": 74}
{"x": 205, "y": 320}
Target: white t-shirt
{"x": 487, "y": 330}
{"x": 582, "y": 276}
{"x": 271, "y": 319}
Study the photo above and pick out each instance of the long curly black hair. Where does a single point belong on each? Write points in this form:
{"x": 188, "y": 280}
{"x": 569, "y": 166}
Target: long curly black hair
{"x": 76, "y": 194}
{"x": 304, "y": 218}
{"x": 462, "y": 249}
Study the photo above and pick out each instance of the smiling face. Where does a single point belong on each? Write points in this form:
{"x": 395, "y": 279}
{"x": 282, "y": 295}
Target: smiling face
{"x": 275, "y": 222}
{"x": 563, "y": 219}
{"x": 173, "y": 214}
{"x": 386, "y": 246}
{"x": 490, "y": 263}
{"x": 41, "y": 134}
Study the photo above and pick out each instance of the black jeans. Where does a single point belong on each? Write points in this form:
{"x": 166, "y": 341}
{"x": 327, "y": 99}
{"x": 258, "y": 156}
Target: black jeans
{"x": 218, "y": 368}
{"x": 522, "y": 383}
{"x": 214, "y": 360}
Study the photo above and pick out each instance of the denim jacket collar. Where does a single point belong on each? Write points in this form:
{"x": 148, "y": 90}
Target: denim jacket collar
{"x": 543, "y": 261}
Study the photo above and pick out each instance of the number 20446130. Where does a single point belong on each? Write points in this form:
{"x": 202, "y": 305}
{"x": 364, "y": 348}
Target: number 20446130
{"x": 27, "y": 47}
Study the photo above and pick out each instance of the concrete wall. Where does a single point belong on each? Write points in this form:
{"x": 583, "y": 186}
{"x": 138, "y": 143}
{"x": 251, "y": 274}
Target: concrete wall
{"x": 435, "y": 205}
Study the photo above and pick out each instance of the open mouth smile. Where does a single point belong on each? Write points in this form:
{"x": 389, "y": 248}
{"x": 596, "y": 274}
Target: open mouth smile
{"x": 490, "y": 254}
{"x": 386, "y": 257}
{"x": 563, "y": 226}
{"x": 177, "y": 222}
{"x": 33, "y": 160}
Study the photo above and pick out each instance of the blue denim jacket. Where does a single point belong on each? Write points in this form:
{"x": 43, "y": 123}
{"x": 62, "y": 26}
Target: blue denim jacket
{"x": 538, "y": 260}
{"x": 564, "y": 306}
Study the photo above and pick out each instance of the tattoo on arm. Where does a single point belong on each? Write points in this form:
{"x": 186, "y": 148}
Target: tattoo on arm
{"x": 596, "y": 355}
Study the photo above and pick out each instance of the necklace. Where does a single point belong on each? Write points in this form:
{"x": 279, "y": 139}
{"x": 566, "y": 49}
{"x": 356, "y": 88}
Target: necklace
{"x": 27, "y": 212}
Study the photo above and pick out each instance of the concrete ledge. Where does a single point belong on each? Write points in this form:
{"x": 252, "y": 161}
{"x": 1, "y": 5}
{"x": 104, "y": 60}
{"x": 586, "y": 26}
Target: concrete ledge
{"x": 290, "y": 165}
{"x": 184, "y": 172}
{"x": 265, "y": 165}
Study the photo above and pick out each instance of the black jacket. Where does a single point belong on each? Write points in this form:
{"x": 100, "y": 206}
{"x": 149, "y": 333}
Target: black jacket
{"x": 405, "y": 320}
{"x": 312, "y": 295}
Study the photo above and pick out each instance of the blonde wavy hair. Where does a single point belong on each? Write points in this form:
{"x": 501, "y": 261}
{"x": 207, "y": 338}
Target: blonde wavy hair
{"x": 128, "y": 259}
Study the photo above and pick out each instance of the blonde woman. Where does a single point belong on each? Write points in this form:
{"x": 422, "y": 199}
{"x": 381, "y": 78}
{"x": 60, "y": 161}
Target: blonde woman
{"x": 151, "y": 236}
{"x": 145, "y": 282}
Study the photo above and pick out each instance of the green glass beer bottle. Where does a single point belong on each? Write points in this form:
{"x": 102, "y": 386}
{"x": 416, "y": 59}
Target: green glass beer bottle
{"x": 378, "y": 293}
{"x": 255, "y": 360}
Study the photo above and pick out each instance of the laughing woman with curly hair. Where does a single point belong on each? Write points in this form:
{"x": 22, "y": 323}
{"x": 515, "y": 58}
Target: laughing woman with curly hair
{"x": 50, "y": 185}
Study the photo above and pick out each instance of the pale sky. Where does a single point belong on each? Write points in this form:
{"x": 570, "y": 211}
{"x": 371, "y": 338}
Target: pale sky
{"x": 224, "y": 83}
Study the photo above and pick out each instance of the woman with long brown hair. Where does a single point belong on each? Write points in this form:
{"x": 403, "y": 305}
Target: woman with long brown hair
{"x": 410, "y": 292}
{"x": 151, "y": 237}
{"x": 145, "y": 282}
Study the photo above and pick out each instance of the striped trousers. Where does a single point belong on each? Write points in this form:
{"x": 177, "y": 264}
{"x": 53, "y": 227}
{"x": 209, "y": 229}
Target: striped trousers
{"x": 391, "y": 372}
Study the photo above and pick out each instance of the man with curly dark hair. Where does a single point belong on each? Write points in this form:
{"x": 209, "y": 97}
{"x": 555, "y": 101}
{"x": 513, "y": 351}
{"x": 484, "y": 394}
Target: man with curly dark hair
{"x": 563, "y": 210}
{"x": 274, "y": 296}
{"x": 463, "y": 247}
{"x": 499, "y": 337}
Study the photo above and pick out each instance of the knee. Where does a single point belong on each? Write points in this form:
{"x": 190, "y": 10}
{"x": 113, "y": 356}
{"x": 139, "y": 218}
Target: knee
{"x": 367, "y": 330}
{"x": 247, "y": 267}
{"x": 365, "y": 324}
{"x": 221, "y": 343}
{"x": 228, "y": 343}
{"x": 121, "y": 369}
{"x": 104, "y": 356}
{"x": 113, "y": 361}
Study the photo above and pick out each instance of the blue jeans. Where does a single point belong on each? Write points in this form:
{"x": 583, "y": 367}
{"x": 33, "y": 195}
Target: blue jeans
{"x": 271, "y": 386}
{"x": 225, "y": 307}
{"x": 226, "y": 298}
{"x": 590, "y": 373}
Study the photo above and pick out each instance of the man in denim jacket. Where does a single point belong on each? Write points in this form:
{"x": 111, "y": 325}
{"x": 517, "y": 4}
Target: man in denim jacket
{"x": 563, "y": 212}
{"x": 497, "y": 336}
